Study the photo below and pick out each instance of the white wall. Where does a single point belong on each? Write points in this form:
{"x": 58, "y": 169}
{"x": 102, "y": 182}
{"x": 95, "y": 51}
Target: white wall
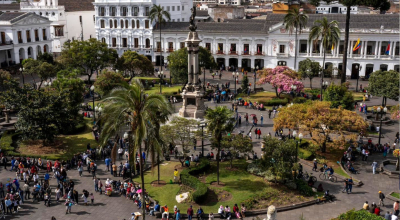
{"x": 175, "y": 15}
{"x": 74, "y": 25}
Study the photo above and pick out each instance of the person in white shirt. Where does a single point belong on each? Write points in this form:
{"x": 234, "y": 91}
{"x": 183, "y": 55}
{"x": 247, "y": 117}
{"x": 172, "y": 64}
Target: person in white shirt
{"x": 394, "y": 217}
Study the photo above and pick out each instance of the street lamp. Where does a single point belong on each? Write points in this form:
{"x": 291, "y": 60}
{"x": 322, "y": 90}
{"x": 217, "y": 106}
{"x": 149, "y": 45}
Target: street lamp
{"x": 126, "y": 135}
{"x": 202, "y": 125}
{"x": 324, "y": 85}
{"x": 94, "y": 112}
{"x": 379, "y": 111}
{"x": 297, "y": 142}
{"x": 294, "y": 88}
{"x": 21, "y": 69}
{"x": 255, "y": 78}
{"x": 160, "y": 75}
{"x": 358, "y": 69}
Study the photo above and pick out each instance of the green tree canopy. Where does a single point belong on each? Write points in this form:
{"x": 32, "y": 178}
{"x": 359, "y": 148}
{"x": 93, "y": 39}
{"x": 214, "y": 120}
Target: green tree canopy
{"x": 309, "y": 69}
{"x": 7, "y": 81}
{"x": 108, "y": 80}
{"x": 178, "y": 63}
{"x": 90, "y": 55}
{"x": 237, "y": 144}
{"x": 384, "y": 84}
{"x": 339, "y": 96}
{"x": 133, "y": 64}
{"x": 245, "y": 84}
{"x": 42, "y": 69}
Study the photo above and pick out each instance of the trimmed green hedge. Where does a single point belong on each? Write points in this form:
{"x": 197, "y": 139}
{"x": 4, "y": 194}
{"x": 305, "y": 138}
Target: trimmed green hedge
{"x": 358, "y": 215}
{"x": 299, "y": 100}
{"x": 303, "y": 188}
{"x": 187, "y": 179}
{"x": 276, "y": 101}
{"x": 305, "y": 154}
{"x": 16, "y": 154}
{"x": 6, "y": 141}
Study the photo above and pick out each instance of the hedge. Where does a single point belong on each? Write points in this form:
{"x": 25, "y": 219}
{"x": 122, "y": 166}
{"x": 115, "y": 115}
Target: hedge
{"x": 298, "y": 100}
{"x": 79, "y": 128}
{"x": 188, "y": 179}
{"x": 16, "y": 154}
{"x": 6, "y": 141}
{"x": 303, "y": 188}
{"x": 305, "y": 154}
{"x": 358, "y": 215}
{"x": 275, "y": 101}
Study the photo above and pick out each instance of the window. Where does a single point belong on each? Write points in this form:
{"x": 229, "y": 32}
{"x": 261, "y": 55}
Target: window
{"x": 137, "y": 24}
{"x": 101, "y": 11}
{"x": 246, "y": 49}
{"x": 59, "y": 31}
{"x": 103, "y": 40}
{"x": 396, "y": 51}
{"x": 220, "y": 48}
{"x": 115, "y": 24}
{"x": 124, "y": 42}
{"x": 208, "y": 46}
{"x": 233, "y": 49}
{"x": 94, "y": 19}
{"x": 173, "y": 8}
{"x": 112, "y": 11}
{"x": 147, "y": 12}
{"x": 114, "y": 42}
{"x": 146, "y": 24}
{"x": 124, "y": 11}
{"x": 147, "y": 43}
{"x": 133, "y": 24}
{"x": 158, "y": 46}
{"x": 178, "y": 8}
{"x": 122, "y": 23}
{"x": 303, "y": 48}
{"x": 173, "y": 20}
{"x": 28, "y": 36}
{"x": 111, "y": 24}
{"x": 126, "y": 24}
{"x": 182, "y": 45}
{"x": 53, "y": 14}
{"x": 136, "y": 42}
{"x": 36, "y": 35}
{"x": 20, "y": 37}
{"x": 383, "y": 50}
{"x": 135, "y": 11}
{"x": 167, "y": 8}
{"x": 44, "y": 34}
{"x": 281, "y": 48}
{"x": 183, "y": 19}
{"x": 80, "y": 19}
{"x": 170, "y": 47}
{"x": 178, "y": 20}
{"x": 259, "y": 49}
{"x": 3, "y": 37}
{"x": 183, "y": 8}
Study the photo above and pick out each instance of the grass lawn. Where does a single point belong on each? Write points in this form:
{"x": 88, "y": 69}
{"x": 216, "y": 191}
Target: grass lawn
{"x": 396, "y": 195}
{"x": 332, "y": 156}
{"x": 70, "y": 145}
{"x": 239, "y": 185}
{"x": 165, "y": 90}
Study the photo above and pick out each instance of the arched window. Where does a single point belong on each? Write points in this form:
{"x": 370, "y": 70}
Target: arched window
{"x": 135, "y": 11}
{"x": 122, "y": 23}
{"x": 133, "y": 24}
{"x": 126, "y": 24}
{"x": 147, "y": 43}
{"x": 103, "y": 40}
{"x": 102, "y": 24}
{"x": 115, "y": 24}
{"x": 111, "y": 23}
{"x": 137, "y": 24}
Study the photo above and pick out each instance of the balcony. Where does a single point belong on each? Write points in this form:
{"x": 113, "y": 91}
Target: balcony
{"x": 316, "y": 54}
{"x": 303, "y": 54}
{"x": 233, "y": 53}
{"x": 220, "y": 52}
{"x": 135, "y": 14}
{"x": 157, "y": 50}
{"x": 282, "y": 55}
{"x": 246, "y": 53}
{"x": 28, "y": 40}
{"x": 370, "y": 56}
{"x": 20, "y": 41}
{"x": 36, "y": 38}
{"x": 384, "y": 56}
{"x": 44, "y": 37}
{"x": 6, "y": 43}
{"x": 170, "y": 50}
{"x": 125, "y": 45}
{"x": 259, "y": 53}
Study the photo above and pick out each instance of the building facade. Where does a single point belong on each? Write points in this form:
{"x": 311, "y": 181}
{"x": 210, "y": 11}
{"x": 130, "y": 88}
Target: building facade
{"x": 23, "y": 35}
{"x": 255, "y": 44}
{"x": 335, "y": 8}
{"x": 125, "y": 25}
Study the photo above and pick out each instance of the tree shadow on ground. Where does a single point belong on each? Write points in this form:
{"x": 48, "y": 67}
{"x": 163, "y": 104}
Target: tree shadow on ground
{"x": 245, "y": 185}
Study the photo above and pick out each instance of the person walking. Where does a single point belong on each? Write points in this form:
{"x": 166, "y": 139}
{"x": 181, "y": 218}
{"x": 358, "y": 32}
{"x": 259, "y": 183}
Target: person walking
{"x": 388, "y": 216}
{"x": 176, "y": 176}
{"x": 315, "y": 167}
{"x": 374, "y": 165}
{"x": 346, "y": 186}
{"x": 114, "y": 170}
{"x": 107, "y": 161}
{"x": 396, "y": 208}
{"x": 190, "y": 213}
{"x": 350, "y": 183}
{"x": 381, "y": 198}
{"x": 262, "y": 119}
{"x": 259, "y": 133}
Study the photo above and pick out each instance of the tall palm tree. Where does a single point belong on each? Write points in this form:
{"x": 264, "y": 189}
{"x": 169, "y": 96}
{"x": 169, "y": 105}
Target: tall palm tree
{"x": 220, "y": 122}
{"x": 157, "y": 13}
{"x": 329, "y": 34}
{"x": 295, "y": 21}
{"x": 132, "y": 104}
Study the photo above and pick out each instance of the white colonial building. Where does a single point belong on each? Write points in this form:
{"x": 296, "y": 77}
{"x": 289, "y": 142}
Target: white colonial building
{"x": 335, "y": 8}
{"x": 125, "y": 24}
{"x": 23, "y": 35}
{"x": 249, "y": 44}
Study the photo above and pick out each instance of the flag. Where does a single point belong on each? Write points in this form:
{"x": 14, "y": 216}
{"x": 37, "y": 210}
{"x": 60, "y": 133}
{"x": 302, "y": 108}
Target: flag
{"x": 245, "y": 49}
{"x": 387, "y": 49}
{"x": 358, "y": 45}
{"x": 258, "y": 49}
{"x": 218, "y": 47}
{"x": 333, "y": 46}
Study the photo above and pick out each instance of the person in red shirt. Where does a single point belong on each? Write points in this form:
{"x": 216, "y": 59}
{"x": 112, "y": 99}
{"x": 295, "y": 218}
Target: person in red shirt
{"x": 33, "y": 170}
{"x": 377, "y": 211}
{"x": 56, "y": 164}
{"x": 48, "y": 164}
{"x": 190, "y": 213}
{"x": 259, "y": 133}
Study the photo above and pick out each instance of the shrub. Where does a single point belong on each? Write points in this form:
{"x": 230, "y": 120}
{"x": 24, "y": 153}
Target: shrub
{"x": 305, "y": 154}
{"x": 6, "y": 141}
{"x": 358, "y": 215}
{"x": 303, "y": 188}
{"x": 298, "y": 100}
{"x": 79, "y": 128}
{"x": 276, "y": 101}
{"x": 187, "y": 179}
{"x": 257, "y": 169}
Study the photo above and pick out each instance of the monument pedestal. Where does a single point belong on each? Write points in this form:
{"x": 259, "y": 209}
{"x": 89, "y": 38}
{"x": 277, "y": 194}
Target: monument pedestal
{"x": 193, "y": 103}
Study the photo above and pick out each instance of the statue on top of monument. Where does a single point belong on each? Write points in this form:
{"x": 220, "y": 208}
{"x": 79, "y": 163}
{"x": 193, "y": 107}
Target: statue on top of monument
{"x": 192, "y": 26}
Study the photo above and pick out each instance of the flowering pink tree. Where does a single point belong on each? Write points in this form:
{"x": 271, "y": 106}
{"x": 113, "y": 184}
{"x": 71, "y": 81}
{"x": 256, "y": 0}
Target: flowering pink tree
{"x": 281, "y": 78}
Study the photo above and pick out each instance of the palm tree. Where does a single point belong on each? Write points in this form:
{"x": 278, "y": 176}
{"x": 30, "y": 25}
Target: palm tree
{"x": 159, "y": 14}
{"x": 220, "y": 122}
{"x": 295, "y": 21}
{"x": 329, "y": 35}
{"x": 132, "y": 104}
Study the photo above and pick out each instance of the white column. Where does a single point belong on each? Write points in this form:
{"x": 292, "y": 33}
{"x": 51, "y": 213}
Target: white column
{"x": 34, "y": 53}
{"x": 365, "y": 49}
{"x": 348, "y": 48}
{"x": 26, "y": 53}
{"x": 16, "y": 56}
{"x": 308, "y": 48}
{"x": 394, "y": 49}
{"x": 311, "y": 44}
{"x": 297, "y": 47}
{"x": 376, "y": 48}
{"x": 351, "y": 49}
{"x": 391, "y": 49}
{"x": 362, "y": 49}
{"x": 320, "y": 49}
{"x": 337, "y": 50}
{"x": 379, "y": 49}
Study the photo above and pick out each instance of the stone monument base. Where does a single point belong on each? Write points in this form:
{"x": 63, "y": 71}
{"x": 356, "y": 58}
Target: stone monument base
{"x": 193, "y": 104}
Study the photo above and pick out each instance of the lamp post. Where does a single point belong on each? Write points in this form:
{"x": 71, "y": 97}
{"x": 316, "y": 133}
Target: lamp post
{"x": 380, "y": 111}
{"x": 255, "y": 78}
{"x": 358, "y": 68}
{"x": 202, "y": 125}
{"x": 297, "y": 142}
{"x": 94, "y": 112}
{"x": 325, "y": 85}
{"x": 160, "y": 75}
{"x": 21, "y": 69}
